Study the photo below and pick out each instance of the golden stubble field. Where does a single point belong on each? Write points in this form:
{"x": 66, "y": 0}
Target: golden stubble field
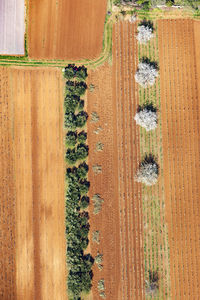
{"x": 33, "y": 127}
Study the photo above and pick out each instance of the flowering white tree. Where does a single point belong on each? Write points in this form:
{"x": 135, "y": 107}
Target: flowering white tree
{"x": 146, "y": 118}
{"x": 146, "y": 74}
{"x": 145, "y": 33}
{"x": 148, "y": 171}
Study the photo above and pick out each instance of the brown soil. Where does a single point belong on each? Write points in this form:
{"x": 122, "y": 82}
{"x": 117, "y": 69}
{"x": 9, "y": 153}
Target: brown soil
{"x": 120, "y": 220}
{"x": 37, "y": 97}
{"x": 180, "y": 119}
{"x": 66, "y": 29}
{"x": 7, "y": 193}
{"x": 128, "y": 153}
{"x": 104, "y": 183}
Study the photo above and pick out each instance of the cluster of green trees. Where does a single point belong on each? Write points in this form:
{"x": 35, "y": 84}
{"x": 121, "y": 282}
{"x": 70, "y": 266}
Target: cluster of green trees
{"x": 77, "y": 219}
{"x": 71, "y": 71}
{"x": 77, "y": 229}
{"x": 80, "y": 152}
{"x": 75, "y": 116}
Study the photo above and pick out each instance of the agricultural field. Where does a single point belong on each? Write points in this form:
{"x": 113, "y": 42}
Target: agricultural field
{"x": 179, "y": 74}
{"x": 99, "y": 192}
{"x": 66, "y": 29}
{"x": 12, "y": 24}
{"x": 7, "y": 203}
{"x": 34, "y": 124}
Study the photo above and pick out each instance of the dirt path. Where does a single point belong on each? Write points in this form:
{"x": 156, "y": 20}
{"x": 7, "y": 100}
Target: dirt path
{"x": 38, "y": 138}
{"x": 180, "y": 115}
{"x": 7, "y": 193}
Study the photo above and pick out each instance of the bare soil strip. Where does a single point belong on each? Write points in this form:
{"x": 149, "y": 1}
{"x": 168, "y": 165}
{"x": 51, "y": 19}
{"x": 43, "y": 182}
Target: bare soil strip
{"x": 104, "y": 183}
{"x": 180, "y": 116}
{"x": 7, "y": 193}
{"x": 129, "y": 193}
{"x": 37, "y": 97}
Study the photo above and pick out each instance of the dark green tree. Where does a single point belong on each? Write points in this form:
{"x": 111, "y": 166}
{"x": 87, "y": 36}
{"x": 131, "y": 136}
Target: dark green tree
{"x": 84, "y": 202}
{"x": 81, "y": 119}
{"x": 71, "y": 156}
{"x": 82, "y": 151}
{"x": 70, "y": 121}
{"x": 82, "y": 137}
{"x": 69, "y": 72}
{"x": 71, "y": 138}
{"x": 81, "y": 73}
{"x": 82, "y": 170}
{"x": 71, "y": 103}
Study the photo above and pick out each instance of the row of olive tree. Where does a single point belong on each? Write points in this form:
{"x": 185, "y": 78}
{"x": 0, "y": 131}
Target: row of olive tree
{"x": 77, "y": 219}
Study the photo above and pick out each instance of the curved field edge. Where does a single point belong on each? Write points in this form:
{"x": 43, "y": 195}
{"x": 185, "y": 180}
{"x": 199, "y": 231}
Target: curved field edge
{"x": 106, "y": 53}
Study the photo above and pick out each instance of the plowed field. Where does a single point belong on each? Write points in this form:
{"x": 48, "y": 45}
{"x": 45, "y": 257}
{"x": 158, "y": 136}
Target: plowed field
{"x": 181, "y": 153}
{"x": 7, "y": 193}
{"x": 66, "y": 29}
{"x": 105, "y": 182}
{"x": 36, "y": 99}
{"x": 129, "y": 192}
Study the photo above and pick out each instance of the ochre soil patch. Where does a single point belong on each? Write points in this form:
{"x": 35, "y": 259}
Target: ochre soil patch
{"x": 104, "y": 183}
{"x": 7, "y": 193}
{"x": 120, "y": 220}
{"x": 35, "y": 102}
{"x": 66, "y": 29}
{"x": 180, "y": 119}
{"x": 125, "y": 97}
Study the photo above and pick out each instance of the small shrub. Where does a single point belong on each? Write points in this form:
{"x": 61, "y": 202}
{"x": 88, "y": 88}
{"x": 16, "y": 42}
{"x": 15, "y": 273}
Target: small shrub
{"x": 98, "y": 130}
{"x": 82, "y": 137}
{"x": 91, "y": 87}
{"x": 95, "y": 237}
{"x": 99, "y": 260}
{"x": 146, "y": 117}
{"x": 148, "y": 171}
{"x": 97, "y": 200}
{"x": 71, "y": 138}
{"x": 94, "y": 117}
{"x": 152, "y": 284}
{"x": 146, "y": 73}
{"x": 97, "y": 169}
{"x": 101, "y": 285}
{"x": 99, "y": 146}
